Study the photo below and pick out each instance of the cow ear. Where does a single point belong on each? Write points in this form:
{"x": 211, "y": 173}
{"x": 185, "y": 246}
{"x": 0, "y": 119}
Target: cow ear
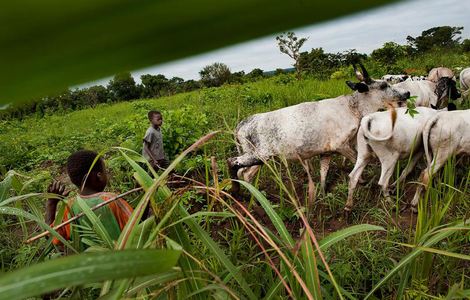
{"x": 451, "y": 107}
{"x": 362, "y": 87}
{"x": 433, "y": 106}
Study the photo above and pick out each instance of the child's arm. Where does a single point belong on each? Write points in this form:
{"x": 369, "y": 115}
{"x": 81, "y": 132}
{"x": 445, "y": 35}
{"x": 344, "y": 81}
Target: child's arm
{"x": 147, "y": 150}
{"x": 58, "y": 188}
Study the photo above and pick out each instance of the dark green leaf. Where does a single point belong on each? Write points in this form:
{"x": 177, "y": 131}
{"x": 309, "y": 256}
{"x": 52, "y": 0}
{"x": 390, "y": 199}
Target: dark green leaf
{"x": 50, "y": 45}
{"x": 85, "y": 268}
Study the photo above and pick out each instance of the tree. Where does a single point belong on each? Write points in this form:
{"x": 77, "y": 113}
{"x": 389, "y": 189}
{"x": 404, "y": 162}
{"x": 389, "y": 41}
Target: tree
{"x": 318, "y": 63}
{"x": 175, "y": 85}
{"x": 154, "y": 85}
{"x": 466, "y": 45}
{"x": 443, "y": 37}
{"x": 255, "y": 74}
{"x": 237, "y": 77}
{"x": 351, "y": 56}
{"x": 389, "y": 54}
{"x": 190, "y": 85}
{"x": 290, "y": 45}
{"x": 96, "y": 94}
{"x": 215, "y": 74}
{"x": 123, "y": 87}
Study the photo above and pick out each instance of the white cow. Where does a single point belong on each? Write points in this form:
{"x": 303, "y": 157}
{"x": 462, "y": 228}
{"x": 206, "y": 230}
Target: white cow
{"x": 444, "y": 135}
{"x": 465, "y": 81}
{"x": 390, "y": 78}
{"x": 431, "y": 94}
{"x": 436, "y": 73}
{"x": 416, "y": 78}
{"x": 390, "y": 136}
{"x": 311, "y": 128}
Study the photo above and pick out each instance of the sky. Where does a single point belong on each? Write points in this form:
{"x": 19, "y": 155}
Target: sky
{"x": 364, "y": 32}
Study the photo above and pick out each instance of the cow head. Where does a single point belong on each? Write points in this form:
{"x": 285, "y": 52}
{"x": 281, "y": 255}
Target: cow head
{"x": 378, "y": 91}
{"x": 446, "y": 87}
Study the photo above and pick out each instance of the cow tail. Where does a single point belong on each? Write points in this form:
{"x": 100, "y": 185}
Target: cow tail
{"x": 365, "y": 124}
{"x": 426, "y": 134}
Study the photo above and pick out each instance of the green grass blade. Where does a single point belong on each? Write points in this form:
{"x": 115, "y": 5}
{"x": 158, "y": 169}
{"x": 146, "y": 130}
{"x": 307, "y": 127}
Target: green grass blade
{"x": 96, "y": 223}
{"x": 268, "y": 208}
{"x": 84, "y": 268}
{"x": 413, "y": 254}
{"x": 312, "y": 279}
{"x": 273, "y": 291}
{"x": 203, "y": 214}
{"x": 21, "y": 213}
{"x": 189, "y": 267}
{"x": 342, "y": 234}
{"x": 153, "y": 280}
{"x": 215, "y": 249}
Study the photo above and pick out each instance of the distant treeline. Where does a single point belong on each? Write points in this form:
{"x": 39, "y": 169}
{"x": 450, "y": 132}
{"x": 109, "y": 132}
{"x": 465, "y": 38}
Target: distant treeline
{"x": 315, "y": 63}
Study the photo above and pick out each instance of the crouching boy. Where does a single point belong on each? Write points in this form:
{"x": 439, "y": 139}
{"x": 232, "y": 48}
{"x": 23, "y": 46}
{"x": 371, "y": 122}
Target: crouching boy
{"x": 113, "y": 216}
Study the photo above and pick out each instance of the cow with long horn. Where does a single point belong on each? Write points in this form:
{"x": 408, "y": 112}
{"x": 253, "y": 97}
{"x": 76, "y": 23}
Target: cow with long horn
{"x": 311, "y": 128}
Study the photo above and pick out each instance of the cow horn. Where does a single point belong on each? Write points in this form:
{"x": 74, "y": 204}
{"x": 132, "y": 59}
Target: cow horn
{"x": 365, "y": 74}
{"x": 359, "y": 75}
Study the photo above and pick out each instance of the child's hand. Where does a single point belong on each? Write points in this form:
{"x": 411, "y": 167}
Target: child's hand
{"x": 57, "y": 187}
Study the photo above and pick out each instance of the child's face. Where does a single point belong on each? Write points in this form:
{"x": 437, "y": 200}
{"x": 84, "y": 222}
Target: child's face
{"x": 102, "y": 177}
{"x": 156, "y": 120}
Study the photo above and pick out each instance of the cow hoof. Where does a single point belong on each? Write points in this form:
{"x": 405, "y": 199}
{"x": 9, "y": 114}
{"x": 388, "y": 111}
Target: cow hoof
{"x": 347, "y": 214}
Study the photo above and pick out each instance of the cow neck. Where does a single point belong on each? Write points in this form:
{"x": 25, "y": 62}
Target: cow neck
{"x": 367, "y": 105}
{"x": 353, "y": 104}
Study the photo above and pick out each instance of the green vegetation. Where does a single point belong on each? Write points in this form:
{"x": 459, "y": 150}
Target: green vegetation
{"x": 282, "y": 239}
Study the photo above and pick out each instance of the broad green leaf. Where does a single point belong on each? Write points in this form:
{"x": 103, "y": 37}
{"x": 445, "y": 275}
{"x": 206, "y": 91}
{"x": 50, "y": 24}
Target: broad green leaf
{"x": 95, "y": 221}
{"x": 84, "y": 268}
{"x": 50, "y": 45}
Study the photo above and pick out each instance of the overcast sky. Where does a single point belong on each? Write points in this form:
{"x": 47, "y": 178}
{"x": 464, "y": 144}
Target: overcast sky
{"x": 364, "y": 32}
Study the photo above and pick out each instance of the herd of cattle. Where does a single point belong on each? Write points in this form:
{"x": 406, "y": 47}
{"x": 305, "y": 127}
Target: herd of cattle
{"x": 356, "y": 127}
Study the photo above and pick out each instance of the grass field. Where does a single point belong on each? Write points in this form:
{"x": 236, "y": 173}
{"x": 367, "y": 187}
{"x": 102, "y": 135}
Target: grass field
{"x": 282, "y": 240}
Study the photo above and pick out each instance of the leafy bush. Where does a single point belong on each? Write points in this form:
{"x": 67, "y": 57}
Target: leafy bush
{"x": 181, "y": 128}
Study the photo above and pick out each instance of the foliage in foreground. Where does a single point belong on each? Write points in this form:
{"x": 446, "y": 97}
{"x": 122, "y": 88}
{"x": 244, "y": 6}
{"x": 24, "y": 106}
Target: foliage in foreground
{"x": 289, "y": 266}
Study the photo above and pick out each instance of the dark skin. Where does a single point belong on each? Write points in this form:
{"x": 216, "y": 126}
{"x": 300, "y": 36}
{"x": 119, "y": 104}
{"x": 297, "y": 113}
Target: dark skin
{"x": 95, "y": 183}
{"x": 156, "y": 120}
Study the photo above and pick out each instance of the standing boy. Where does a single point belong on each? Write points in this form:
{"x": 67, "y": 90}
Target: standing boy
{"x": 91, "y": 185}
{"x": 153, "y": 142}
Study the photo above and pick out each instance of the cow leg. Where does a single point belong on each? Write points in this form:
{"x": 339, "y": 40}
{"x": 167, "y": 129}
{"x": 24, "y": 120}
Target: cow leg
{"x": 348, "y": 153}
{"x": 361, "y": 163}
{"x": 363, "y": 157}
{"x": 250, "y": 173}
{"x": 388, "y": 162}
{"x": 351, "y": 155}
{"x": 427, "y": 173}
{"x": 236, "y": 163}
{"x": 410, "y": 167}
{"x": 324, "y": 167}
